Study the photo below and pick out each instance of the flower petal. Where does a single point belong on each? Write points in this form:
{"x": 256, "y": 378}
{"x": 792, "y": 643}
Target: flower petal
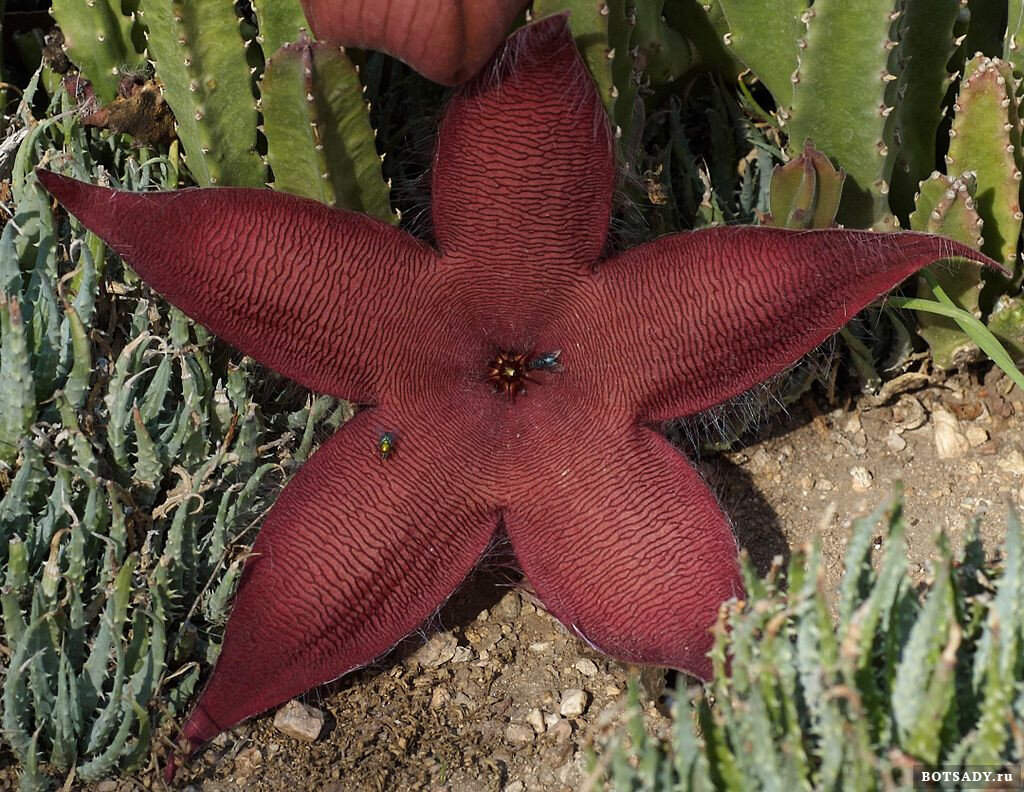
{"x": 703, "y": 316}
{"x": 357, "y": 553}
{"x": 289, "y": 281}
{"x": 524, "y": 168}
{"x": 626, "y": 546}
{"x": 443, "y": 40}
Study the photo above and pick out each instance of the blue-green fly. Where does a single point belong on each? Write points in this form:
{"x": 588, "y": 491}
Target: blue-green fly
{"x": 547, "y": 361}
{"x": 386, "y": 444}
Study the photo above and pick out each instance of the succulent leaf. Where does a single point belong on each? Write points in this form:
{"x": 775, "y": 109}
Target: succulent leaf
{"x": 805, "y": 192}
{"x": 704, "y": 24}
{"x": 1014, "y": 32}
{"x": 1007, "y": 323}
{"x": 280, "y": 22}
{"x": 201, "y": 59}
{"x": 664, "y": 53}
{"x": 927, "y": 43}
{"x": 946, "y": 206}
{"x": 839, "y": 100}
{"x": 17, "y": 385}
{"x": 764, "y": 35}
{"x": 98, "y": 37}
{"x": 320, "y": 144}
{"x": 985, "y": 138}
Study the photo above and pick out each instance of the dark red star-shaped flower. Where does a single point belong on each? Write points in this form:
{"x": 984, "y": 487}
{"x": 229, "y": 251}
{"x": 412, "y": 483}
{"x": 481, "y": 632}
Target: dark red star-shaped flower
{"x": 514, "y": 378}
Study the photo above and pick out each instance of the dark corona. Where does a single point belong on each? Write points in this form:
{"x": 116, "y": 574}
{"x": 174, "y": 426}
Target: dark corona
{"x": 508, "y": 372}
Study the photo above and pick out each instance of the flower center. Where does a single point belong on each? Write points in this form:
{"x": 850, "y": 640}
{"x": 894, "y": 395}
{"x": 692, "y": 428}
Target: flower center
{"x": 509, "y": 371}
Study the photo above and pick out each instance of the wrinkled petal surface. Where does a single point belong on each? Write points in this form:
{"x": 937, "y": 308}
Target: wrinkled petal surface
{"x": 356, "y": 554}
{"x": 524, "y": 169}
{"x": 694, "y": 319}
{"x": 445, "y": 40}
{"x": 637, "y": 562}
{"x": 304, "y": 288}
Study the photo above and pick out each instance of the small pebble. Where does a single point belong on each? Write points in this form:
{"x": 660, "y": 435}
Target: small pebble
{"x": 950, "y": 442}
{"x": 106, "y": 786}
{"x": 574, "y": 702}
{"x": 824, "y": 485}
{"x": 586, "y": 667}
{"x": 908, "y": 413}
{"x": 976, "y": 436}
{"x": 248, "y": 761}
{"x": 550, "y": 719}
{"x": 439, "y": 649}
{"x": 561, "y": 732}
{"x": 509, "y": 606}
{"x": 862, "y": 478}
{"x": 536, "y": 719}
{"x": 540, "y": 647}
{"x": 299, "y": 720}
{"x": 895, "y": 441}
{"x": 1012, "y": 463}
{"x": 439, "y": 697}
{"x": 515, "y": 786}
{"x": 556, "y": 755}
{"x": 518, "y": 734}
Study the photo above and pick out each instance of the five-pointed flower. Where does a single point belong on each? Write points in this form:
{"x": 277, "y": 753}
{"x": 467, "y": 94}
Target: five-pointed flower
{"x": 514, "y": 377}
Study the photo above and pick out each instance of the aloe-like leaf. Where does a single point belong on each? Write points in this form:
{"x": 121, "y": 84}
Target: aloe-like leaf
{"x": 805, "y": 192}
{"x": 148, "y": 467}
{"x": 946, "y": 206}
{"x": 17, "y": 385}
{"x": 157, "y": 390}
{"x": 985, "y": 139}
{"x": 319, "y": 140}
{"x": 17, "y": 703}
{"x": 15, "y": 581}
{"x": 664, "y": 54}
{"x": 84, "y": 456}
{"x": 926, "y": 44}
{"x": 280, "y": 22}
{"x": 102, "y": 763}
{"x": 201, "y": 59}
{"x": 1007, "y": 324}
{"x": 704, "y": 23}
{"x": 765, "y": 35}
{"x": 920, "y": 668}
{"x": 98, "y": 38}
{"x": 1014, "y": 32}
{"x": 839, "y": 100}
{"x": 67, "y": 717}
{"x": 691, "y": 763}
{"x": 77, "y": 384}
